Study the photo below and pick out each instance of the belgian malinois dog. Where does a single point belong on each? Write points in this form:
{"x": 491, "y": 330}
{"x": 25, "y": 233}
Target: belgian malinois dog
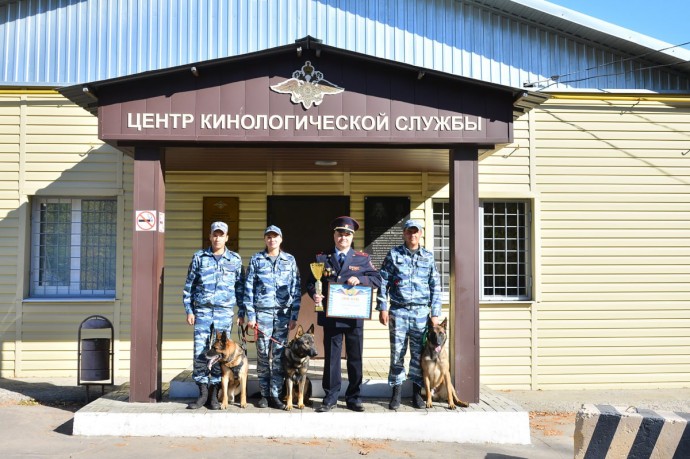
{"x": 234, "y": 365}
{"x": 295, "y": 366}
{"x": 436, "y": 368}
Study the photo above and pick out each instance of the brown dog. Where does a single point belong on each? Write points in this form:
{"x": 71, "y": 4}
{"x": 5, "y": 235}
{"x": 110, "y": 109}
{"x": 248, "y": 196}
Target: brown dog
{"x": 234, "y": 365}
{"x": 295, "y": 366}
{"x": 436, "y": 368}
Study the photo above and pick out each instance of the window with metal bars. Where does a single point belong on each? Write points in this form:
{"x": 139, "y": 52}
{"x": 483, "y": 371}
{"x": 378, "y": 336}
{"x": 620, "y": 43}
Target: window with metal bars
{"x": 505, "y": 254}
{"x": 73, "y": 247}
{"x": 442, "y": 245}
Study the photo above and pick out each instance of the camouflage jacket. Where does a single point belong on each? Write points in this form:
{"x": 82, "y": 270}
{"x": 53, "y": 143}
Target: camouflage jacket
{"x": 409, "y": 280}
{"x": 212, "y": 282}
{"x": 271, "y": 286}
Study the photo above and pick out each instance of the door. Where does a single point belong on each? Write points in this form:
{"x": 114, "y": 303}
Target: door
{"x": 305, "y": 222}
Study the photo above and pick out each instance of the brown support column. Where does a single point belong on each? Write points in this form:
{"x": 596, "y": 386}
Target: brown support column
{"x": 464, "y": 270}
{"x": 147, "y": 276}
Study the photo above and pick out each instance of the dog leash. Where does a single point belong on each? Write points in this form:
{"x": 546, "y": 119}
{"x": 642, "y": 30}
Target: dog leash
{"x": 258, "y": 330}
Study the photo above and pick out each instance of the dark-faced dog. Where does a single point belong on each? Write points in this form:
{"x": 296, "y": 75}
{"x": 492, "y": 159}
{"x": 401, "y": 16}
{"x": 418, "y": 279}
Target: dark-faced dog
{"x": 233, "y": 364}
{"x": 295, "y": 366}
{"x": 436, "y": 368}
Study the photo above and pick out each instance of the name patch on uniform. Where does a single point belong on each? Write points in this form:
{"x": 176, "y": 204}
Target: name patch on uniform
{"x": 354, "y": 268}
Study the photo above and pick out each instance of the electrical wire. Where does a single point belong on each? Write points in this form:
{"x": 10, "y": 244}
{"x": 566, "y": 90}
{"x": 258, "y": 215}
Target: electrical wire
{"x": 558, "y": 78}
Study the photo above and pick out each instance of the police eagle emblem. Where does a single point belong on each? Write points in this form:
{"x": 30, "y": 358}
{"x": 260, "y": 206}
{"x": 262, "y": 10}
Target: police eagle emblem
{"x": 307, "y": 86}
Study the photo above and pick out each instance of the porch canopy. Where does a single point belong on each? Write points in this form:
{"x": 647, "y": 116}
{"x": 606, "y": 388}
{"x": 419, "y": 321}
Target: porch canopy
{"x": 291, "y": 108}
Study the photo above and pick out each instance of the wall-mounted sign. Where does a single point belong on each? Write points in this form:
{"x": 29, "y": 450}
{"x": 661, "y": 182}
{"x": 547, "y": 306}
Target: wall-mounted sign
{"x": 384, "y": 217}
{"x": 145, "y": 220}
{"x": 328, "y": 98}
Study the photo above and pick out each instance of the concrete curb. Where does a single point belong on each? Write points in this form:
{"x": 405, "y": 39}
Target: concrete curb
{"x": 603, "y": 431}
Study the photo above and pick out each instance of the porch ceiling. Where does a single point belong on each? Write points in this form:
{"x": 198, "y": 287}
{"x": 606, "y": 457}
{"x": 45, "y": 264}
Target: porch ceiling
{"x": 304, "y": 159}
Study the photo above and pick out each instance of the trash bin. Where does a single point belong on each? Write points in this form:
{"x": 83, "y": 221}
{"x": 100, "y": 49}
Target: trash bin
{"x": 96, "y": 359}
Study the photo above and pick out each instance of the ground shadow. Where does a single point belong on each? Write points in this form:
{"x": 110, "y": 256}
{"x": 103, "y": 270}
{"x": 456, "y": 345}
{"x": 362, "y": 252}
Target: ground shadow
{"x": 67, "y": 397}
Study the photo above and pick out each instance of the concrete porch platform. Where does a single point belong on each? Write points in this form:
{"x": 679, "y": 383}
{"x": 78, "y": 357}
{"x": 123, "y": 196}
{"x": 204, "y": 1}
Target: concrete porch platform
{"x": 495, "y": 419}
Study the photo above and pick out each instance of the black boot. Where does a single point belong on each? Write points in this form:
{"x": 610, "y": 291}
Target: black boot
{"x": 213, "y": 402}
{"x": 417, "y": 400}
{"x": 203, "y": 396}
{"x": 395, "y": 397}
{"x": 275, "y": 402}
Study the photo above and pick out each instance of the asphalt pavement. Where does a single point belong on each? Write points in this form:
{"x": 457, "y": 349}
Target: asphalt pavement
{"x": 36, "y": 419}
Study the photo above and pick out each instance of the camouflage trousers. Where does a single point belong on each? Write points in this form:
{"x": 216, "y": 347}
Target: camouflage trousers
{"x": 269, "y": 354}
{"x": 208, "y": 320}
{"x": 406, "y": 325}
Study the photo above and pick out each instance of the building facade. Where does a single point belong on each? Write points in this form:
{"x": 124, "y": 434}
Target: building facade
{"x": 582, "y": 206}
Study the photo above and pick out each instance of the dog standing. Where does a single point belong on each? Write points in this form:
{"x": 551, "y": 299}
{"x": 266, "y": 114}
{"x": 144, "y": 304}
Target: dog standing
{"x": 295, "y": 366}
{"x": 234, "y": 365}
{"x": 436, "y": 368}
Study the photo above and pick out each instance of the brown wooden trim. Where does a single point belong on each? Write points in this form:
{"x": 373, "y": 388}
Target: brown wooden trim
{"x": 464, "y": 270}
{"x": 148, "y": 248}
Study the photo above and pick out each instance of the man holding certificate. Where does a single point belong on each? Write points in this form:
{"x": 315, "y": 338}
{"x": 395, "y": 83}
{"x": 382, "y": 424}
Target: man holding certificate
{"x": 346, "y": 269}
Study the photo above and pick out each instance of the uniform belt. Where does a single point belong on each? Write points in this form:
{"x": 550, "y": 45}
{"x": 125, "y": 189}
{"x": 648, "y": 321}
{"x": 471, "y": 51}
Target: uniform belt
{"x": 407, "y": 306}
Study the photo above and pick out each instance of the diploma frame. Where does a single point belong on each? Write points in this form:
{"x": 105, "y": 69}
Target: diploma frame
{"x": 349, "y": 301}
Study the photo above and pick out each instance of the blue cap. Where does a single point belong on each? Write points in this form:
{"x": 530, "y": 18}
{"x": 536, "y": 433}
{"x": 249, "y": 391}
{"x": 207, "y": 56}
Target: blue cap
{"x": 273, "y": 229}
{"x": 413, "y": 224}
{"x": 219, "y": 226}
{"x": 345, "y": 224}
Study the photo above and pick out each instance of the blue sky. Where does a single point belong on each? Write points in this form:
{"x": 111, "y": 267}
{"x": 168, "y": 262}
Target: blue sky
{"x": 666, "y": 20}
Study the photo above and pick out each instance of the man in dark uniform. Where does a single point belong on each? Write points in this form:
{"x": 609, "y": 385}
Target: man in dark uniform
{"x": 345, "y": 266}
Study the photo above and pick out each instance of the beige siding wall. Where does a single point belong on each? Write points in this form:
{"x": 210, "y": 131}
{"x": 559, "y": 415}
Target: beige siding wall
{"x": 614, "y": 184}
{"x": 47, "y": 148}
{"x": 10, "y": 203}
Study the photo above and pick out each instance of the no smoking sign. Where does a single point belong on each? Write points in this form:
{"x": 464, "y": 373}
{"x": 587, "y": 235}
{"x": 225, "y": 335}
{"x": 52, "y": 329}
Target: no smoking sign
{"x": 145, "y": 220}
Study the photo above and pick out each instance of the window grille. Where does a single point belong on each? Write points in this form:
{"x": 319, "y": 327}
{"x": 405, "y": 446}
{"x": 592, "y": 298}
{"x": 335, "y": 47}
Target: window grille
{"x": 442, "y": 245}
{"x": 73, "y": 247}
{"x": 505, "y": 254}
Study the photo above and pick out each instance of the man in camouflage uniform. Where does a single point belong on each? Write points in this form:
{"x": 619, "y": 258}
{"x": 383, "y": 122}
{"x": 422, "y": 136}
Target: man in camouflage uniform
{"x": 411, "y": 281}
{"x": 213, "y": 288}
{"x": 271, "y": 301}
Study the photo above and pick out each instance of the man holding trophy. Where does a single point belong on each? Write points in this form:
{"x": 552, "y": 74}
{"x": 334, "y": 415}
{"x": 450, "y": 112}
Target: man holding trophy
{"x": 341, "y": 265}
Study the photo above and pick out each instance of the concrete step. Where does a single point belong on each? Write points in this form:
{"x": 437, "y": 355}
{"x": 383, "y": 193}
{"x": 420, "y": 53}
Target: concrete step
{"x": 494, "y": 419}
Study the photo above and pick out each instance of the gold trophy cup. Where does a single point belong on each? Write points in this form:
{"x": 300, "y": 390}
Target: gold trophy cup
{"x": 317, "y": 271}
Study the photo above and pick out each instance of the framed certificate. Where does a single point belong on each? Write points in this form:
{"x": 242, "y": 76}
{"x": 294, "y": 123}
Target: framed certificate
{"x": 349, "y": 301}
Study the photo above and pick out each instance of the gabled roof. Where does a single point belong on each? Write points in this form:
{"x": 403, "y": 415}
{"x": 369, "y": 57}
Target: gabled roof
{"x": 86, "y": 95}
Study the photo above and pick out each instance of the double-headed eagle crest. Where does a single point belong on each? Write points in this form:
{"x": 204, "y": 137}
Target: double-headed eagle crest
{"x": 307, "y": 86}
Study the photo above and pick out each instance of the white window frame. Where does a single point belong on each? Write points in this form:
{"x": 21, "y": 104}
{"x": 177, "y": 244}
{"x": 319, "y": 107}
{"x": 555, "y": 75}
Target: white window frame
{"x": 526, "y": 262}
{"x": 445, "y": 243}
{"x": 443, "y": 247}
{"x": 74, "y": 287}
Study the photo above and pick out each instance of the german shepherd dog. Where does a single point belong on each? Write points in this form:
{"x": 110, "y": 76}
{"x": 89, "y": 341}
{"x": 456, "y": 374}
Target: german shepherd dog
{"x": 436, "y": 368}
{"x": 234, "y": 365}
{"x": 295, "y": 366}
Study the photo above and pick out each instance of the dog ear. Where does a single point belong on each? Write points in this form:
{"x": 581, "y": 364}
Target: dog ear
{"x": 444, "y": 324}
{"x": 311, "y": 329}
{"x": 224, "y": 336}
{"x": 219, "y": 335}
{"x": 300, "y": 331}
